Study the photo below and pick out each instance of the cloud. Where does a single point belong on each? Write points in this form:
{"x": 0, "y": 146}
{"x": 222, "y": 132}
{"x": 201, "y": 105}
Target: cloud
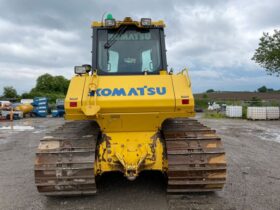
{"x": 208, "y": 74}
{"x": 214, "y": 39}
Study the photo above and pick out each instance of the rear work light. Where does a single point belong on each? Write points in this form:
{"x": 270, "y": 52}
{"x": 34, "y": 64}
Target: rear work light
{"x": 146, "y": 22}
{"x": 86, "y": 68}
{"x": 110, "y": 22}
{"x": 185, "y": 101}
{"x": 80, "y": 70}
{"x": 73, "y": 104}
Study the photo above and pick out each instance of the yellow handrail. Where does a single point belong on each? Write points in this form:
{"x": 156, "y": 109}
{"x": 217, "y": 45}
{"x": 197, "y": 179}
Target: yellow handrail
{"x": 185, "y": 72}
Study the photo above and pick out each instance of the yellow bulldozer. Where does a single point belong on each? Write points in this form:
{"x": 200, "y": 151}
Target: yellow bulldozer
{"x": 126, "y": 112}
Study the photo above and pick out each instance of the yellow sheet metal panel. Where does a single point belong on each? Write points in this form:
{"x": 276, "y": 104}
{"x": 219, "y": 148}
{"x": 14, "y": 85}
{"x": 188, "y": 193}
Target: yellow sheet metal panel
{"x": 136, "y": 93}
{"x": 74, "y": 95}
{"x": 130, "y": 103}
{"x": 183, "y": 94}
{"x": 150, "y": 121}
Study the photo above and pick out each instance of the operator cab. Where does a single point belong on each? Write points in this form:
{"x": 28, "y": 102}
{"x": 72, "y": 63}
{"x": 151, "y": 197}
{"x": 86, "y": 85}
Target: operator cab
{"x": 128, "y": 47}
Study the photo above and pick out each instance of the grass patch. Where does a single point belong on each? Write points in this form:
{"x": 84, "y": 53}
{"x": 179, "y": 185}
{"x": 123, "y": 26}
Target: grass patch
{"x": 214, "y": 115}
{"x": 244, "y": 112}
{"x": 201, "y": 103}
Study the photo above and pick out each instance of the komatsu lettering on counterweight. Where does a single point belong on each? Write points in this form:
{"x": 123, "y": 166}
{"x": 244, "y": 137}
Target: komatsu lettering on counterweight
{"x": 139, "y": 91}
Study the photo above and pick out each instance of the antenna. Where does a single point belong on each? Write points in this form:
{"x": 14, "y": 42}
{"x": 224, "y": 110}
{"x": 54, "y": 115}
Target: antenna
{"x": 102, "y": 19}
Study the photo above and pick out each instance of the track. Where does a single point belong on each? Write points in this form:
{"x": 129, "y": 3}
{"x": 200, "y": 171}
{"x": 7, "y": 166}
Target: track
{"x": 65, "y": 160}
{"x": 196, "y": 158}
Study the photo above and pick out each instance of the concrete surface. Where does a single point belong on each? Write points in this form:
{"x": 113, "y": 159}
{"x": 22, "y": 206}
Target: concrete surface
{"x": 253, "y": 155}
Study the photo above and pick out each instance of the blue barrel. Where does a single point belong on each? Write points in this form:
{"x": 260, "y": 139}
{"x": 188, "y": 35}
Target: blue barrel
{"x": 40, "y": 103}
{"x": 41, "y": 113}
{"x": 40, "y": 99}
{"x": 58, "y": 113}
{"x": 61, "y": 112}
{"x": 55, "y": 113}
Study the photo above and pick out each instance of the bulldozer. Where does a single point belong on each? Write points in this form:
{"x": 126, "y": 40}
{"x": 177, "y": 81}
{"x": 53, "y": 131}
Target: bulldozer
{"x": 127, "y": 113}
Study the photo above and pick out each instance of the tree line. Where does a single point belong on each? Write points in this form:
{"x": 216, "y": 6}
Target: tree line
{"x": 52, "y": 87}
{"x": 262, "y": 89}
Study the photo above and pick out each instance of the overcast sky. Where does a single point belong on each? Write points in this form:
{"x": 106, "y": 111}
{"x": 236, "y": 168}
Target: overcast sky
{"x": 215, "y": 39}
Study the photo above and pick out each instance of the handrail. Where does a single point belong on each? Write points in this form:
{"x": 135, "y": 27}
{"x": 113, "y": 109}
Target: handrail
{"x": 185, "y": 72}
{"x": 88, "y": 108}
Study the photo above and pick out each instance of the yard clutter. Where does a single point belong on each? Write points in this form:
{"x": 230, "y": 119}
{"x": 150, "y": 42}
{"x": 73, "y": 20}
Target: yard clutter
{"x": 263, "y": 113}
{"x": 7, "y": 111}
{"x": 10, "y": 115}
{"x": 40, "y": 105}
{"x": 254, "y": 111}
{"x": 272, "y": 113}
{"x": 26, "y": 101}
{"x": 234, "y": 111}
{"x": 59, "y": 111}
{"x": 213, "y": 106}
{"x": 25, "y": 108}
{"x": 37, "y": 107}
{"x": 5, "y": 104}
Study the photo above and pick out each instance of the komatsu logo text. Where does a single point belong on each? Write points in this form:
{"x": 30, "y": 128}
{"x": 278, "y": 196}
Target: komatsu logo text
{"x": 139, "y": 91}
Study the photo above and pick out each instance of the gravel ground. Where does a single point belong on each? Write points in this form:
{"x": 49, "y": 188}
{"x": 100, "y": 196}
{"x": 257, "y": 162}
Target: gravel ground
{"x": 253, "y": 155}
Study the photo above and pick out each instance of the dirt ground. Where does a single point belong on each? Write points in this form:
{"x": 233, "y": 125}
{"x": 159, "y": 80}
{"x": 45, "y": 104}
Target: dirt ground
{"x": 253, "y": 183}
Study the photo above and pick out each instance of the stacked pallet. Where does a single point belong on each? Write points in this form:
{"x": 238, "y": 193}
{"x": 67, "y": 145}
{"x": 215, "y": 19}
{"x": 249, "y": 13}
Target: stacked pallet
{"x": 234, "y": 111}
{"x": 263, "y": 113}
{"x": 40, "y": 105}
{"x": 272, "y": 113}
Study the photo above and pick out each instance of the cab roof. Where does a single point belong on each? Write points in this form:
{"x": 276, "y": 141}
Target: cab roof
{"x": 128, "y": 21}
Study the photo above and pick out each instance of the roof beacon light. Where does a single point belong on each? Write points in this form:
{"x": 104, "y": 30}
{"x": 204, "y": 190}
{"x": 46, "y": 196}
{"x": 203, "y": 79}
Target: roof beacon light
{"x": 109, "y": 16}
{"x": 146, "y": 22}
{"x": 110, "y": 21}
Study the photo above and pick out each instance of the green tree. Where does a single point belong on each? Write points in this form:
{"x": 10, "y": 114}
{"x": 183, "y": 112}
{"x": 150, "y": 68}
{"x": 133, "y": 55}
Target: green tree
{"x": 44, "y": 83}
{"x": 49, "y": 86}
{"x": 25, "y": 95}
{"x": 262, "y": 89}
{"x": 210, "y": 91}
{"x": 47, "y": 83}
{"x": 204, "y": 96}
{"x": 61, "y": 84}
{"x": 9, "y": 92}
{"x": 267, "y": 55}
{"x": 270, "y": 90}
{"x": 255, "y": 101}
